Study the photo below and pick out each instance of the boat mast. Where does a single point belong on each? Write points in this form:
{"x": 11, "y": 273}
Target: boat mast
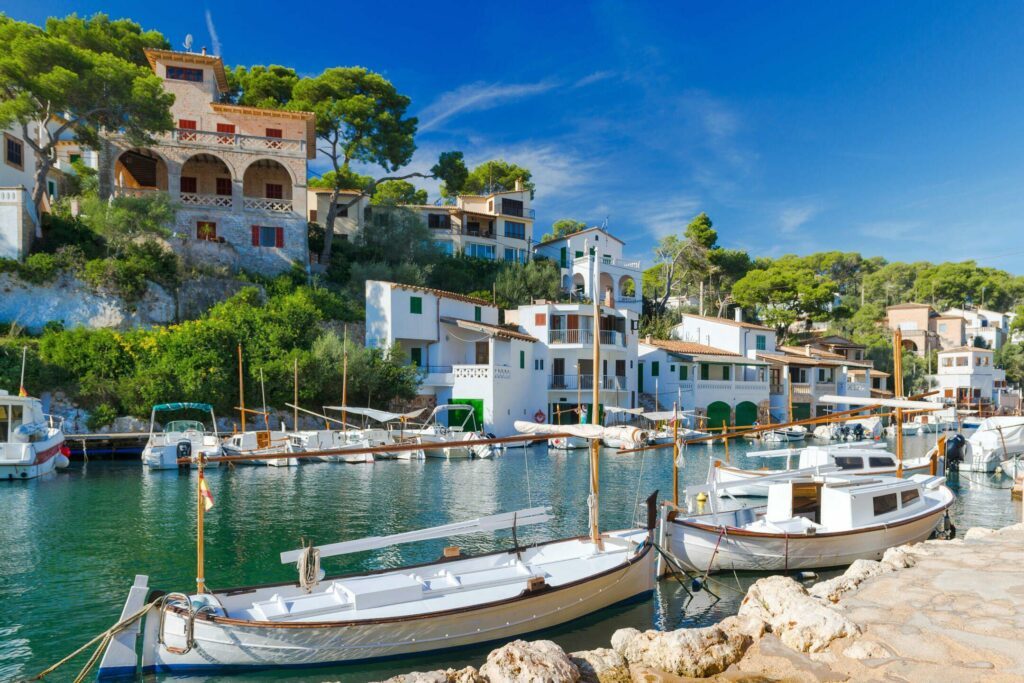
{"x": 595, "y": 444}
{"x": 295, "y": 384}
{"x": 675, "y": 454}
{"x": 344, "y": 379}
{"x": 241, "y": 388}
{"x": 579, "y": 395}
{"x": 897, "y": 370}
{"x": 263, "y": 394}
{"x": 200, "y": 512}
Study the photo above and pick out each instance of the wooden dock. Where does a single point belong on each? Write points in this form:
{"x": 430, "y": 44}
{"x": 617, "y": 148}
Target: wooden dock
{"x": 106, "y": 446}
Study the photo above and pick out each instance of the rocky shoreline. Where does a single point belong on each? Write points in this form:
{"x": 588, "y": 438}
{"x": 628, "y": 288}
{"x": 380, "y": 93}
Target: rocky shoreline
{"x": 938, "y": 610}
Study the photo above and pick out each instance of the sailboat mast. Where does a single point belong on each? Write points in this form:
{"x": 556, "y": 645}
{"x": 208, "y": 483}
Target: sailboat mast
{"x": 200, "y": 512}
{"x": 675, "y": 454}
{"x": 295, "y": 399}
{"x": 241, "y": 389}
{"x": 263, "y": 395}
{"x": 579, "y": 393}
{"x": 897, "y": 369}
{"x": 595, "y": 444}
{"x": 344, "y": 380}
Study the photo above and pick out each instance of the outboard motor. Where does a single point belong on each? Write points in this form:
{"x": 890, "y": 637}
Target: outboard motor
{"x": 184, "y": 451}
{"x": 955, "y": 446}
{"x": 858, "y": 432}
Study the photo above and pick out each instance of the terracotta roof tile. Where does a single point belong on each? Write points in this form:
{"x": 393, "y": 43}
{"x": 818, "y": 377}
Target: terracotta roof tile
{"x": 728, "y": 321}
{"x": 691, "y": 348}
{"x": 441, "y": 293}
{"x": 496, "y": 330}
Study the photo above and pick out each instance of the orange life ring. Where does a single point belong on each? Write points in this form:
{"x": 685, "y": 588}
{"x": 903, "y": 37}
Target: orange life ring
{"x": 538, "y": 417}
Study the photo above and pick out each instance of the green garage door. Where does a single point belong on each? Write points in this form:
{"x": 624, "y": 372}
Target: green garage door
{"x": 746, "y": 414}
{"x": 801, "y": 411}
{"x": 457, "y": 417}
{"x": 719, "y": 412}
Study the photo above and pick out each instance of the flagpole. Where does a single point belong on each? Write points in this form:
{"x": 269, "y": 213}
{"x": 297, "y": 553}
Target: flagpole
{"x": 200, "y": 512}
{"x": 21, "y": 385}
{"x": 241, "y": 388}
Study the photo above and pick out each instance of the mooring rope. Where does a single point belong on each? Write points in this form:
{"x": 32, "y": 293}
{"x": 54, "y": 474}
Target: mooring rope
{"x": 309, "y": 567}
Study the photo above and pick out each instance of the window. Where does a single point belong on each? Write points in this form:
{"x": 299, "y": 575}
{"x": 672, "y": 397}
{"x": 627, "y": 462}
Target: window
{"x": 705, "y": 371}
{"x": 849, "y": 462}
{"x": 620, "y": 368}
{"x": 267, "y": 236}
{"x": 188, "y": 184}
{"x": 274, "y": 191}
{"x": 655, "y": 369}
{"x": 908, "y": 497}
{"x": 476, "y": 313}
{"x": 416, "y": 356}
{"x": 75, "y": 158}
{"x": 563, "y": 257}
{"x": 183, "y": 73}
{"x": 683, "y": 372}
{"x": 14, "y": 152}
{"x": 186, "y": 125}
{"x": 484, "y": 251}
{"x": 439, "y": 220}
{"x": 446, "y": 247}
{"x": 51, "y": 188}
{"x": 515, "y": 230}
{"x": 961, "y": 361}
{"x": 540, "y": 319}
{"x": 884, "y": 504}
{"x": 579, "y": 254}
{"x": 725, "y": 372}
{"x": 206, "y": 230}
{"x": 275, "y": 135}
{"x": 522, "y": 360}
{"x": 341, "y": 211}
{"x": 671, "y": 369}
{"x": 511, "y": 207}
{"x": 224, "y": 187}
{"x": 947, "y": 362}
{"x": 760, "y": 342}
{"x": 876, "y": 461}
{"x": 416, "y": 305}
{"x": 312, "y": 215}
{"x": 942, "y": 328}
{"x": 229, "y": 133}
{"x": 510, "y": 254}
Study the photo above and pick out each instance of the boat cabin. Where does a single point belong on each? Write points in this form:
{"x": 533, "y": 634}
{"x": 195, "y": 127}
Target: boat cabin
{"x": 847, "y": 459}
{"x": 16, "y": 411}
{"x": 841, "y": 503}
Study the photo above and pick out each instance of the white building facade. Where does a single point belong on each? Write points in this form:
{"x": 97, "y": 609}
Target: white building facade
{"x": 620, "y": 278}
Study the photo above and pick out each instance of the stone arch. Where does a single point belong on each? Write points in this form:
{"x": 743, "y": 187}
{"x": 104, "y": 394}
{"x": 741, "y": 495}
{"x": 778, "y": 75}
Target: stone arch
{"x": 910, "y": 345}
{"x": 271, "y": 164}
{"x": 206, "y": 176}
{"x": 746, "y": 413}
{"x": 579, "y": 283}
{"x": 627, "y": 286}
{"x": 140, "y": 169}
{"x": 717, "y": 413}
{"x": 607, "y": 285}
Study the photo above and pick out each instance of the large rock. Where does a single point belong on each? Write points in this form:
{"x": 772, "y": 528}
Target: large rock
{"x": 799, "y": 620}
{"x": 127, "y": 424}
{"x": 976, "y": 533}
{"x": 539, "y": 661}
{"x": 467, "y": 675}
{"x": 901, "y": 557}
{"x": 694, "y": 652}
{"x": 602, "y": 665}
{"x": 861, "y": 570}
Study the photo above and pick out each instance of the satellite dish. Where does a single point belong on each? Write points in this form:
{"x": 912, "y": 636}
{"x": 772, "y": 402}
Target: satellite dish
{"x": 188, "y": 42}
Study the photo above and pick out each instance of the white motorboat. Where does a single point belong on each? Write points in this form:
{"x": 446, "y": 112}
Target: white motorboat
{"x": 850, "y": 430}
{"x": 995, "y": 440}
{"x": 662, "y": 429}
{"x": 180, "y": 438}
{"x": 260, "y": 443}
{"x": 781, "y": 435}
{"x": 863, "y": 459}
{"x": 812, "y": 520}
{"x": 384, "y": 435}
{"x": 31, "y": 443}
{"x": 309, "y": 440}
{"x": 908, "y": 429}
{"x": 567, "y": 443}
{"x": 460, "y": 436}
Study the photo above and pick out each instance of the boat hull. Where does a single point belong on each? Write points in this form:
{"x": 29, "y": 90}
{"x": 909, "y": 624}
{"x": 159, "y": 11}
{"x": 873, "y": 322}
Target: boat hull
{"x": 45, "y": 461}
{"x": 726, "y": 475}
{"x": 694, "y": 545}
{"x": 230, "y": 644}
{"x": 568, "y": 443}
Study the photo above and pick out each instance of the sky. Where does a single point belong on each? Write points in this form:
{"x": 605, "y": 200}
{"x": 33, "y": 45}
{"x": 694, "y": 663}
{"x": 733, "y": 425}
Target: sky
{"x": 892, "y": 129}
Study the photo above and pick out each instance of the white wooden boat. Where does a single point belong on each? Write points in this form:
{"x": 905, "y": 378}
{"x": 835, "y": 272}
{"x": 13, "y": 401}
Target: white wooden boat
{"x": 850, "y": 430}
{"x": 265, "y": 442}
{"x": 661, "y": 431}
{"x": 862, "y": 459}
{"x": 180, "y": 438}
{"x": 460, "y": 436}
{"x": 625, "y": 437}
{"x": 331, "y": 440}
{"x": 568, "y": 443}
{"x": 781, "y": 435}
{"x": 995, "y": 440}
{"x": 812, "y": 520}
{"x": 390, "y": 430}
{"x": 31, "y": 443}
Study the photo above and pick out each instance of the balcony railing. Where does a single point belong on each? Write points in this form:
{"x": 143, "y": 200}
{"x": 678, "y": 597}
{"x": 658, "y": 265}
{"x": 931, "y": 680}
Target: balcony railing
{"x": 267, "y": 204}
{"x": 516, "y": 213}
{"x": 120, "y": 191}
{"x": 856, "y": 387}
{"x": 253, "y": 143}
{"x": 613, "y": 337}
{"x": 609, "y": 261}
{"x": 584, "y": 382}
{"x": 211, "y": 200}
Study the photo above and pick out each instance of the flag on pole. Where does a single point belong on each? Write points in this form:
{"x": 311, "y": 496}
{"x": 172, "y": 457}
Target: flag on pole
{"x": 22, "y": 392}
{"x": 204, "y": 490}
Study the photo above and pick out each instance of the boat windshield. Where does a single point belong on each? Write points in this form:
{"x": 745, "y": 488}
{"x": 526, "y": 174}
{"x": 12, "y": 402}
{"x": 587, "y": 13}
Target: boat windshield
{"x": 178, "y": 426}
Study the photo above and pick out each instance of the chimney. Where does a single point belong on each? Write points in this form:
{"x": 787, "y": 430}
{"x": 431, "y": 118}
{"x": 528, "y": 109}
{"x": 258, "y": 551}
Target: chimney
{"x": 807, "y": 350}
{"x": 204, "y": 50}
{"x": 647, "y": 339}
{"x": 519, "y": 185}
{"x": 738, "y": 313}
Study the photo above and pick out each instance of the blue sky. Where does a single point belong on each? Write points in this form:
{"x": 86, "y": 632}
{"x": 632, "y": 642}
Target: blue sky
{"x": 893, "y": 129}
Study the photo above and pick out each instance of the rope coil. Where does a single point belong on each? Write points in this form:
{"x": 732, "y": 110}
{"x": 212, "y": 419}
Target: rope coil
{"x": 309, "y": 568}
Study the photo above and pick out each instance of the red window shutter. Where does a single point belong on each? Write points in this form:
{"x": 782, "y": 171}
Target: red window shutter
{"x": 255, "y": 235}
{"x": 280, "y": 238}
{"x": 540, "y": 319}
{"x": 187, "y": 124}
{"x": 225, "y": 128}
{"x": 273, "y": 132}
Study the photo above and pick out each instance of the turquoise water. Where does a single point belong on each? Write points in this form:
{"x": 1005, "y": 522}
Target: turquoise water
{"x": 73, "y": 542}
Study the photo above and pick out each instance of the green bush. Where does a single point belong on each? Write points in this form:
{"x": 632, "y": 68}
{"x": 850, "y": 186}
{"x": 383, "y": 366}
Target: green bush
{"x": 39, "y": 269}
{"x": 101, "y": 416}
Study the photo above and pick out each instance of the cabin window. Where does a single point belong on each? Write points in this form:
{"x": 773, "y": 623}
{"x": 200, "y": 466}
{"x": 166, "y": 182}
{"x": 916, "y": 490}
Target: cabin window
{"x": 849, "y": 462}
{"x": 183, "y": 73}
{"x": 416, "y": 305}
{"x": 908, "y": 497}
{"x": 884, "y": 504}
{"x": 880, "y": 462}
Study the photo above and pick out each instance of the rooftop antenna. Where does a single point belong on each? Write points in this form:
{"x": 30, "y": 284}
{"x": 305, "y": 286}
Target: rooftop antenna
{"x": 188, "y": 42}
{"x": 604, "y": 225}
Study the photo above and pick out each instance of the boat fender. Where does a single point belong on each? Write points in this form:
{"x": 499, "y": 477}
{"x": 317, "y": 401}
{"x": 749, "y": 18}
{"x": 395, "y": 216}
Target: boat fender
{"x": 808, "y": 576}
{"x": 538, "y": 417}
{"x": 697, "y": 584}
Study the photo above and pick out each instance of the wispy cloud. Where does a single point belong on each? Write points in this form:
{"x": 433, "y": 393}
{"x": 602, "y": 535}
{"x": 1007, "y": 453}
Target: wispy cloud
{"x": 891, "y": 229}
{"x": 794, "y": 216}
{"x": 595, "y": 77}
{"x": 478, "y": 96}
{"x": 214, "y": 40}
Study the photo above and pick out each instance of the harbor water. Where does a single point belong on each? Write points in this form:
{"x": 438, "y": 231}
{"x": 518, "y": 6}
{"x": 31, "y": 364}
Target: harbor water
{"x": 74, "y": 541}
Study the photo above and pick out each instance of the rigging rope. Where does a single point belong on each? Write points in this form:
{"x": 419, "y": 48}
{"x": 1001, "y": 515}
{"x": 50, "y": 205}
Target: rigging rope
{"x": 309, "y": 567}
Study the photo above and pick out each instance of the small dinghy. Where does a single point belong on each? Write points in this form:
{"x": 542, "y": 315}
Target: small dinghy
{"x": 815, "y": 518}
{"x": 460, "y": 436}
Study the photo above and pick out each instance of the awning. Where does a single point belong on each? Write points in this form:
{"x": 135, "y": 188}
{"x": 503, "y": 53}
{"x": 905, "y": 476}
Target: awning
{"x": 161, "y": 407}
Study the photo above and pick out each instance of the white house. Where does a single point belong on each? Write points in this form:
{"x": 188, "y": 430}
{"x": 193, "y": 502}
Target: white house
{"x": 620, "y": 277}
{"x": 966, "y": 378}
{"x": 720, "y": 385}
{"x": 465, "y": 356}
{"x": 734, "y": 335}
{"x": 992, "y": 327}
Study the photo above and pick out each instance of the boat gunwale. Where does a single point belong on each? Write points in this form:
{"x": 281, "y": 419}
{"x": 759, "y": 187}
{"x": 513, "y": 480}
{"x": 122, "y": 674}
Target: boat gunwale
{"x": 638, "y": 555}
{"x": 737, "y": 531}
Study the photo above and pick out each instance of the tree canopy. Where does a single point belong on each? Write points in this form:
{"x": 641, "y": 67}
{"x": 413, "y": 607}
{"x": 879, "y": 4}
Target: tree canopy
{"x": 269, "y": 87}
{"x": 563, "y": 227}
{"x": 495, "y": 175}
{"x": 786, "y": 291}
{"x": 396, "y": 192}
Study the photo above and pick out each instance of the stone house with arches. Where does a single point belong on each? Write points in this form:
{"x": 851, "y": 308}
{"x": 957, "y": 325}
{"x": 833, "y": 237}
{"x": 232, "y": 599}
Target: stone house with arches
{"x": 236, "y": 174}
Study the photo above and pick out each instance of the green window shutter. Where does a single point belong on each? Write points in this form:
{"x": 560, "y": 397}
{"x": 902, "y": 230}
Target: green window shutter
{"x": 416, "y": 305}
{"x": 416, "y": 356}
{"x": 704, "y": 372}
{"x": 725, "y": 371}
{"x": 655, "y": 368}
{"x": 476, "y": 313}
{"x": 565, "y": 257}
{"x": 682, "y": 372}
{"x": 522, "y": 360}
{"x": 579, "y": 254}
{"x": 760, "y": 342}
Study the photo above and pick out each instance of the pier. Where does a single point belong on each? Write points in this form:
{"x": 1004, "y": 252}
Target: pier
{"x": 113, "y": 446}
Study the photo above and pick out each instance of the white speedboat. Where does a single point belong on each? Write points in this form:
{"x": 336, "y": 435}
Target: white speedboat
{"x": 180, "y": 438}
{"x": 908, "y": 429}
{"x": 864, "y": 459}
{"x": 781, "y": 435}
{"x": 995, "y": 440}
{"x": 312, "y": 440}
{"x": 31, "y": 443}
{"x": 260, "y": 443}
{"x": 851, "y": 430}
{"x": 460, "y": 435}
{"x": 812, "y": 521}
